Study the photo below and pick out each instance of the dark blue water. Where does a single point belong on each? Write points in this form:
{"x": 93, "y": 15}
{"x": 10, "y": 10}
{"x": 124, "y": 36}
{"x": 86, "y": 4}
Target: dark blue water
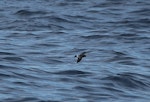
{"x": 39, "y": 38}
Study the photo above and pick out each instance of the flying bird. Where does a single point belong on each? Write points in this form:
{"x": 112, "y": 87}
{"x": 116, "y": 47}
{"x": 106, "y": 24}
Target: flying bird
{"x": 80, "y": 56}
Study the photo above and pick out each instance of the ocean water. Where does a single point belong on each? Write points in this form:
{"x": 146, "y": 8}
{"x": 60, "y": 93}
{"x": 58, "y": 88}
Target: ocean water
{"x": 39, "y": 39}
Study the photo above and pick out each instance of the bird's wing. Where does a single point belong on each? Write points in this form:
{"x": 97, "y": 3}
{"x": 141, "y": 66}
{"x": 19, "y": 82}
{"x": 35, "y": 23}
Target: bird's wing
{"x": 83, "y": 53}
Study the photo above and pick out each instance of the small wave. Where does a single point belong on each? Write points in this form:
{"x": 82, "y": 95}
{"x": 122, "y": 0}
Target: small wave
{"x": 94, "y": 36}
{"x": 14, "y": 58}
{"x": 112, "y": 89}
{"x": 74, "y": 0}
{"x": 72, "y": 72}
{"x": 128, "y": 35}
{"x": 22, "y": 75}
{"x": 28, "y": 13}
{"x": 118, "y": 53}
{"x": 79, "y": 17}
{"x": 7, "y": 53}
{"x": 83, "y": 88}
{"x": 22, "y": 83}
{"x": 7, "y": 67}
{"x": 59, "y": 19}
{"x": 144, "y": 11}
{"x": 128, "y": 80}
{"x": 26, "y": 99}
{"x": 137, "y": 23}
{"x": 122, "y": 58}
{"x": 48, "y": 45}
{"x": 109, "y": 3}
{"x": 34, "y": 53}
{"x": 132, "y": 63}
{"x": 53, "y": 60}
{"x": 2, "y": 75}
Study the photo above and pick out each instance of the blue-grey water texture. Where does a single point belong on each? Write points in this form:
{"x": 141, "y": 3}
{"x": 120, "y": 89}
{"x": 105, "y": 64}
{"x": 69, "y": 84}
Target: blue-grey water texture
{"x": 39, "y": 39}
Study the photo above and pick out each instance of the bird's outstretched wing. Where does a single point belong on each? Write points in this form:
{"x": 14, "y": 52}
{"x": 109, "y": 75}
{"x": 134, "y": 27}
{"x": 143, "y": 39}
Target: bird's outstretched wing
{"x": 83, "y": 53}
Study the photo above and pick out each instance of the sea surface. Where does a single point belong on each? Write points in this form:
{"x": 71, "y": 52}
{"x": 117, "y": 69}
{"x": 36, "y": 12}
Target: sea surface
{"x": 39, "y": 39}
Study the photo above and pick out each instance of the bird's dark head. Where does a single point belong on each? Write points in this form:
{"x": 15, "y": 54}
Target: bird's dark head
{"x": 75, "y": 56}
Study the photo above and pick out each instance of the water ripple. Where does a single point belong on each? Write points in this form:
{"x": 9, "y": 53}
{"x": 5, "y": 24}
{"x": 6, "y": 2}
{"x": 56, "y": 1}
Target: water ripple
{"x": 38, "y": 41}
{"x": 72, "y": 72}
{"x": 128, "y": 80}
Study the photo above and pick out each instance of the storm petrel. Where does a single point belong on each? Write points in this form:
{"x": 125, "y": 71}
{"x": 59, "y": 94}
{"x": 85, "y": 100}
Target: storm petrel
{"x": 80, "y": 56}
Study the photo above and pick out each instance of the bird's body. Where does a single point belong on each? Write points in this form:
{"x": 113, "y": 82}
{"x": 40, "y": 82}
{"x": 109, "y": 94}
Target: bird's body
{"x": 79, "y": 57}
